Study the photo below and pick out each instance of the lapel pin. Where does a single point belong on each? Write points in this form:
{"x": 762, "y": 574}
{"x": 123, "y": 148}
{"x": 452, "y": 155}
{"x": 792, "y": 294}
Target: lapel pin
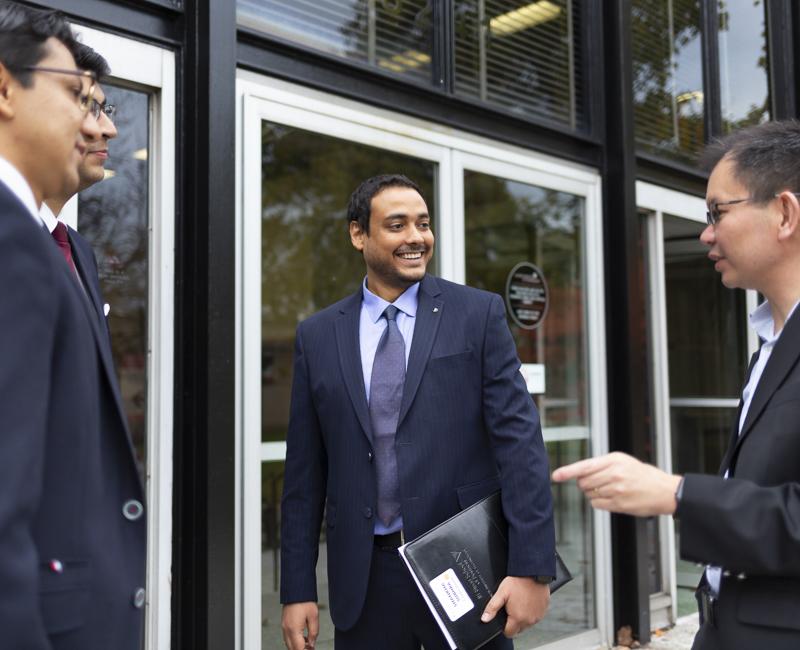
{"x": 435, "y": 309}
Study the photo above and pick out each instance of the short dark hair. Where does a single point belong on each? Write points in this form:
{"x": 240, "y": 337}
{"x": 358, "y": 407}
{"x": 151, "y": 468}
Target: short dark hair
{"x": 88, "y": 59}
{"x": 765, "y": 157}
{"x": 360, "y": 205}
{"x": 23, "y": 34}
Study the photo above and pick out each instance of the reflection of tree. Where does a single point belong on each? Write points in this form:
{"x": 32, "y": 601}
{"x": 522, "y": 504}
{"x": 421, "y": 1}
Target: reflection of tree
{"x": 668, "y": 118}
{"x": 756, "y": 114}
{"x": 526, "y": 71}
{"x": 113, "y": 216}
{"x": 508, "y": 222}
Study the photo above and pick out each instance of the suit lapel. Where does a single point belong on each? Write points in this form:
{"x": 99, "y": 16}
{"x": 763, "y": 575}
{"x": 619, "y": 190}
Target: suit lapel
{"x": 347, "y": 342}
{"x": 781, "y": 361}
{"x": 429, "y": 314}
{"x": 84, "y": 264}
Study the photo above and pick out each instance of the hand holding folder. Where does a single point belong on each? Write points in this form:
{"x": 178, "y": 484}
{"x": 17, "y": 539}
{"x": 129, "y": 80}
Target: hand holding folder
{"x": 459, "y": 565}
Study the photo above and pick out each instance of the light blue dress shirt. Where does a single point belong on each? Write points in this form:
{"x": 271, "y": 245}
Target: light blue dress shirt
{"x": 370, "y": 330}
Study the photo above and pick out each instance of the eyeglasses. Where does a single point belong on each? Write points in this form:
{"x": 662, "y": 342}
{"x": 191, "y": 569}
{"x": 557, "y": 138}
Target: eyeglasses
{"x": 84, "y": 100}
{"x": 713, "y": 215}
{"x": 97, "y": 108}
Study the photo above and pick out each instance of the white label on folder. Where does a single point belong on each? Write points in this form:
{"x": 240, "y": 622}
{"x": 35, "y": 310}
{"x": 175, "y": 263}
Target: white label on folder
{"x": 451, "y": 594}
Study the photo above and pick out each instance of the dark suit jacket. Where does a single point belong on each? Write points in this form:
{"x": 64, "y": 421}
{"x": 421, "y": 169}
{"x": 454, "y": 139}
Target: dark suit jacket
{"x": 70, "y": 561}
{"x": 750, "y": 523}
{"x": 86, "y": 263}
{"x": 467, "y": 427}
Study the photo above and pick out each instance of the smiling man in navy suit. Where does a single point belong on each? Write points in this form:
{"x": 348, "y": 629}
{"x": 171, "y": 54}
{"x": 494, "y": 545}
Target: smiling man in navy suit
{"x": 72, "y": 526}
{"x": 407, "y": 406}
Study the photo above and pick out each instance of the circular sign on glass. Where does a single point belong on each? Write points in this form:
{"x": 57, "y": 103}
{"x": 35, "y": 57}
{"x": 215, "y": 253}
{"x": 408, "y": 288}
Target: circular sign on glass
{"x": 527, "y": 296}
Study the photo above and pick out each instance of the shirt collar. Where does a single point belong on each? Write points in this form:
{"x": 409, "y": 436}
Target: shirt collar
{"x": 50, "y": 219}
{"x": 19, "y": 187}
{"x": 406, "y": 302}
{"x": 762, "y": 322}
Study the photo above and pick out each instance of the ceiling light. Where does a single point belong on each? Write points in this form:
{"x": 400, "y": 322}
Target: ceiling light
{"x": 696, "y": 95}
{"x": 401, "y": 62}
{"x": 108, "y": 173}
{"x": 140, "y": 154}
{"x": 530, "y": 15}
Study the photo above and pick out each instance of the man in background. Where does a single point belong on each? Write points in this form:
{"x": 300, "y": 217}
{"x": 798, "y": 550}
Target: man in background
{"x": 744, "y": 524}
{"x": 72, "y": 531}
{"x": 407, "y": 407}
{"x": 91, "y": 170}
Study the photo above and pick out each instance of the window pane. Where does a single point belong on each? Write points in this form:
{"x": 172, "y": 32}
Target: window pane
{"x": 113, "y": 216}
{"x": 520, "y": 55}
{"x": 667, "y": 77}
{"x": 308, "y": 263}
{"x": 394, "y": 35}
{"x": 743, "y": 62}
{"x": 706, "y": 322}
{"x": 508, "y": 222}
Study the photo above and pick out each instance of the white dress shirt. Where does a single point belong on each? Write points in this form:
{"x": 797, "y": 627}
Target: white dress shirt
{"x": 11, "y": 177}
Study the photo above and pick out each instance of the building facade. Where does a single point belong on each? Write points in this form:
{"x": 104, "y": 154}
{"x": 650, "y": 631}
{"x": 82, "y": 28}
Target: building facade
{"x": 555, "y": 142}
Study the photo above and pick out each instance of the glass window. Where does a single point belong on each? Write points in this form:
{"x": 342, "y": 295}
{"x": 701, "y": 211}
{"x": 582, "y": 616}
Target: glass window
{"x": 508, "y": 222}
{"x": 519, "y": 55}
{"x": 707, "y": 346}
{"x": 744, "y": 65}
{"x": 667, "y": 77}
{"x": 308, "y": 263}
{"x": 394, "y": 35}
{"x": 113, "y": 216}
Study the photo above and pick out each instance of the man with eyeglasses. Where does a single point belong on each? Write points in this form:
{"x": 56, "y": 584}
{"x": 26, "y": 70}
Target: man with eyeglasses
{"x": 743, "y": 524}
{"x": 72, "y": 531}
{"x": 91, "y": 170}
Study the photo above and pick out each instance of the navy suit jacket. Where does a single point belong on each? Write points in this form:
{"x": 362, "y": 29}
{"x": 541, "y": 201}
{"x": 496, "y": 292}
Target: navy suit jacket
{"x": 70, "y": 561}
{"x": 749, "y": 524}
{"x": 467, "y": 427}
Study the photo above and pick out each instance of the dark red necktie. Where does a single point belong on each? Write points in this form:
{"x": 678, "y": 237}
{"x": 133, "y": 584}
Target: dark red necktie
{"x": 62, "y": 239}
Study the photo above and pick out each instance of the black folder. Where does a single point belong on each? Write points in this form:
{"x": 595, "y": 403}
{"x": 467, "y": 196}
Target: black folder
{"x": 458, "y": 566}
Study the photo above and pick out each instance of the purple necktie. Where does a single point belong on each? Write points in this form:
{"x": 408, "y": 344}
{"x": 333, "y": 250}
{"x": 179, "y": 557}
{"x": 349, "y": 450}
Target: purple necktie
{"x": 62, "y": 239}
{"x": 385, "y": 395}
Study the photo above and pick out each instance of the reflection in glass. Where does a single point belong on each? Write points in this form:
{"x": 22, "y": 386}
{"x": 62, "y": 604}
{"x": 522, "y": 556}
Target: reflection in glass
{"x": 507, "y": 222}
{"x": 707, "y": 344}
{"x": 667, "y": 77}
{"x": 520, "y": 55}
{"x": 394, "y": 35}
{"x": 113, "y": 216}
{"x": 706, "y": 323}
{"x": 744, "y": 64}
{"x": 308, "y": 263}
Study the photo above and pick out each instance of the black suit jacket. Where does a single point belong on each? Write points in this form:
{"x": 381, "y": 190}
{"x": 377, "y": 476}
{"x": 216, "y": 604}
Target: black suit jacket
{"x": 467, "y": 426}
{"x": 750, "y": 523}
{"x": 71, "y": 562}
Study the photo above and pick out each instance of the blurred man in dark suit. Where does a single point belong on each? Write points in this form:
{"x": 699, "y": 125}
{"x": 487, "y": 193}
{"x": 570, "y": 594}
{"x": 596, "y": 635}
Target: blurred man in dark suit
{"x": 72, "y": 530}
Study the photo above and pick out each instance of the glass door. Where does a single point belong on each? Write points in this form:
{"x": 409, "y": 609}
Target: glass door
{"x": 128, "y": 218}
{"x": 302, "y": 154}
{"x": 700, "y": 344}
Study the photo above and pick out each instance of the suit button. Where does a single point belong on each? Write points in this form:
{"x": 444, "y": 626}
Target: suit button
{"x": 367, "y": 512}
{"x": 56, "y": 566}
{"x": 741, "y": 576}
{"x": 369, "y": 456}
{"x": 138, "y": 598}
{"x": 132, "y": 510}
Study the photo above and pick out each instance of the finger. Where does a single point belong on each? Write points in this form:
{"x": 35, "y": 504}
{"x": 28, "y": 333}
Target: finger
{"x": 512, "y": 628}
{"x": 294, "y": 640}
{"x": 604, "y": 503}
{"x": 581, "y": 468}
{"x": 313, "y": 630}
{"x": 493, "y": 606}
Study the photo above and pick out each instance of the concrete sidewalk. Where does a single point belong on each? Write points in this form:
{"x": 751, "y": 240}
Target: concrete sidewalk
{"x": 679, "y": 637}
